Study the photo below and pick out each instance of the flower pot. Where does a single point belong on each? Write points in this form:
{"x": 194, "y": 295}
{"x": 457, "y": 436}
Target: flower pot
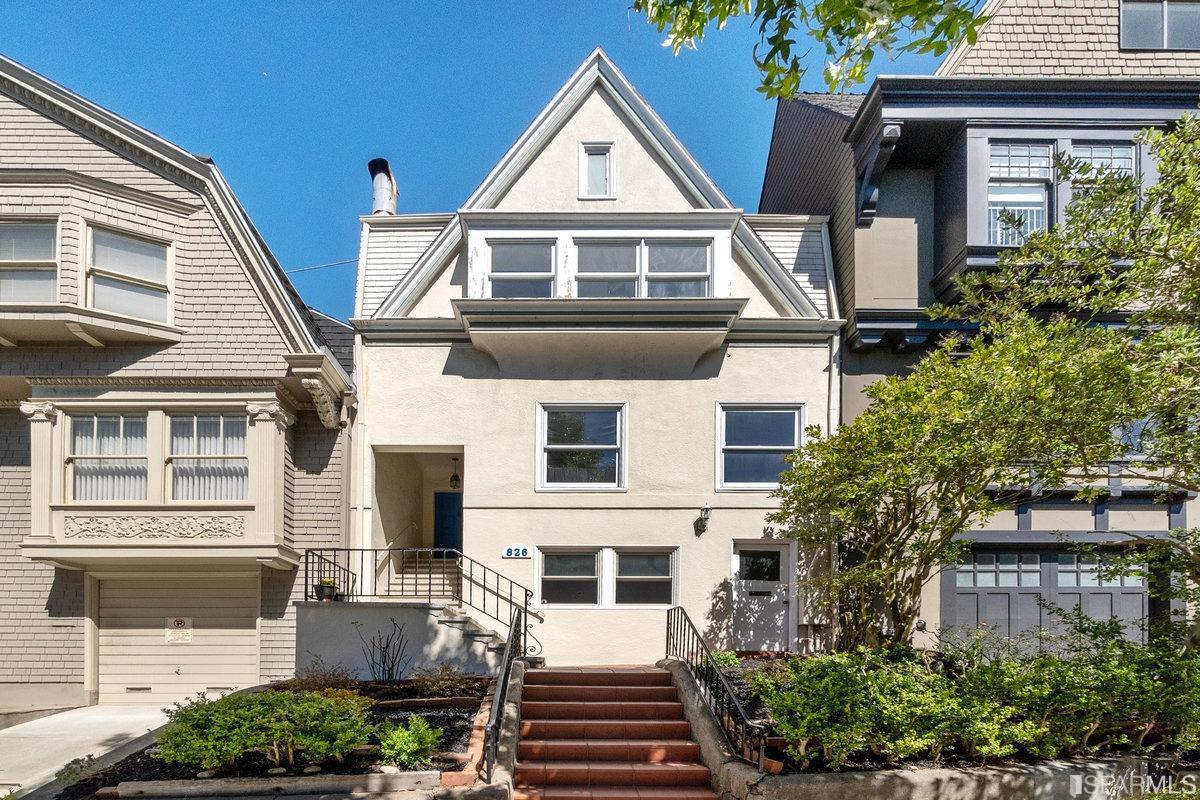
{"x": 325, "y": 593}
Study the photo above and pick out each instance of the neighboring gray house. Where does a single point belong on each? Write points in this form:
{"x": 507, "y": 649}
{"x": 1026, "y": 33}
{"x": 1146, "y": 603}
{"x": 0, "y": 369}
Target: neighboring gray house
{"x": 173, "y": 419}
{"x": 913, "y": 174}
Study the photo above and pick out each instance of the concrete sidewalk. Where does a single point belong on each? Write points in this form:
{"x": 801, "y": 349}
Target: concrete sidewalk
{"x": 30, "y": 753}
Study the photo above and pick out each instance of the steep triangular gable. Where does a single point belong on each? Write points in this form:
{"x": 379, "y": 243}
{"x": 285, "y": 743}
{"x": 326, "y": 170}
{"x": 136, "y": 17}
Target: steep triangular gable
{"x": 597, "y": 73}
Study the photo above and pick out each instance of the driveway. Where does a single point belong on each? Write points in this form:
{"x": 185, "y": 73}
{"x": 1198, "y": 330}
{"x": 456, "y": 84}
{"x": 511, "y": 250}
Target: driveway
{"x": 30, "y": 753}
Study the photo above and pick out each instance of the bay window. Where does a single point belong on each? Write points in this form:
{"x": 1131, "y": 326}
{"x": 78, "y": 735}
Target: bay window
{"x": 643, "y": 268}
{"x": 28, "y": 262}
{"x": 108, "y": 457}
{"x": 208, "y": 458}
{"x": 581, "y": 447}
{"x": 754, "y": 444}
{"x": 128, "y": 275}
{"x": 522, "y": 269}
{"x": 1019, "y": 182}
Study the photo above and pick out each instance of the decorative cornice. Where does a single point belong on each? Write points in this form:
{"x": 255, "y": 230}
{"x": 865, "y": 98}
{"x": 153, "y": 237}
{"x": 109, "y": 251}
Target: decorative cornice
{"x": 326, "y": 383}
{"x": 39, "y": 410}
{"x": 148, "y": 380}
{"x": 190, "y": 526}
{"x": 261, "y": 412}
{"x": 68, "y": 177}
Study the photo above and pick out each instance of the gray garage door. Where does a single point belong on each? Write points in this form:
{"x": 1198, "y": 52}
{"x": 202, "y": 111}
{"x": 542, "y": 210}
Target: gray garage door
{"x": 1000, "y": 588}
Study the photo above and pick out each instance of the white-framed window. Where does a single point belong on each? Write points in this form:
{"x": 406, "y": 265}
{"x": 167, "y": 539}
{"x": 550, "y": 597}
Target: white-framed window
{"x": 107, "y": 457}
{"x": 596, "y": 172}
{"x": 128, "y": 275}
{"x": 521, "y": 269}
{"x": 1019, "y": 182}
{"x": 581, "y": 447}
{"x": 643, "y": 267}
{"x": 28, "y": 261}
{"x": 1160, "y": 24}
{"x": 208, "y": 457}
{"x": 753, "y": 442}
{"x": 608, "y": 577}
{"x": 1106, "y": 158}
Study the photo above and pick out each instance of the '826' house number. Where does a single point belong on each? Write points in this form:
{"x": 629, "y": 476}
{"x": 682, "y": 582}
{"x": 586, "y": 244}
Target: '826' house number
{"x": 516, "y": 551}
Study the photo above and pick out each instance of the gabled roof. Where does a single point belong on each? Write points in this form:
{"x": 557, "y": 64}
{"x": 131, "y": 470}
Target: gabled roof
{"x": 598, "y": 70}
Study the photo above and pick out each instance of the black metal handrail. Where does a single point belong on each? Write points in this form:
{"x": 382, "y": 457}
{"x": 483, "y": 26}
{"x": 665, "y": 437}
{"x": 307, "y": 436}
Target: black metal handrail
{"x": 514, "y": 648}
{"x": 747, "y": 739}
{"x": 423, "y": 573}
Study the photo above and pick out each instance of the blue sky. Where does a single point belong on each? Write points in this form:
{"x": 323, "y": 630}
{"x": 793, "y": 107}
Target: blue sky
{"x": 293, "y": 99}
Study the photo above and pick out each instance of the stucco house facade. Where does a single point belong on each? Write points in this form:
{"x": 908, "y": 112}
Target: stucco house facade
{"x": 173, "y": 419}
{"x": 913, "y": 174}
{"x": 600, "y": 364}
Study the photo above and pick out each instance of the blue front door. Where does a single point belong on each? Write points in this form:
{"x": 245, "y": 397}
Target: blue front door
{"x": 447, "y": 520}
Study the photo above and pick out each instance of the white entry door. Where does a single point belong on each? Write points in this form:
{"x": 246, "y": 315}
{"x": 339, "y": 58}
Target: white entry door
{"x": 761, "y": 596}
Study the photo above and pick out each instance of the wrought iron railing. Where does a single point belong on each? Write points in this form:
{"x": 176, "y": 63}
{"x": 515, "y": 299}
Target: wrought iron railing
{"x": 514, "y": 648}
{"x": 746, "y": 739}
{"x": 431, "y": 574}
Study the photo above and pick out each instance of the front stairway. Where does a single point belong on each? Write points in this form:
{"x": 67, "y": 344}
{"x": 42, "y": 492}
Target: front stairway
{"x": 606, "y": 734}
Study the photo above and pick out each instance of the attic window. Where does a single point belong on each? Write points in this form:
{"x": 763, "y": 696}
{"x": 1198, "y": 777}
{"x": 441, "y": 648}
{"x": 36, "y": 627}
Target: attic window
{"x": 596, "y": 170}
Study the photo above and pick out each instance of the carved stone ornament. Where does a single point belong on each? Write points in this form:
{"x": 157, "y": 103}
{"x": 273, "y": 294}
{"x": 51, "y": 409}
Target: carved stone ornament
{"x": 261, "y": 412}
{"x": 190, "y": 526}
{"x": 39, "y": 410}
{"x": 323, "y": 401}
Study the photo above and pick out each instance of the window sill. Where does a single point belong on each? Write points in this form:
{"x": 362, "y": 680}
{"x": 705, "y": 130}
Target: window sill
{"x": 581, "y": 489}
{"x": 593, "y": 607}
{"x": 22, "y": 323}
{"x": 759, "y": 488}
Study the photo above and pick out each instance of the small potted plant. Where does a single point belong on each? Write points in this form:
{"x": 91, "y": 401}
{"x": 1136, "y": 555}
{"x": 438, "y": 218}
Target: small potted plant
{"x": 325, "y": 590}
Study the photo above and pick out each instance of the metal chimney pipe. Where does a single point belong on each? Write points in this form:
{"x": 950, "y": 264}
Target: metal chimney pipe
{"x": 383, "y": 185}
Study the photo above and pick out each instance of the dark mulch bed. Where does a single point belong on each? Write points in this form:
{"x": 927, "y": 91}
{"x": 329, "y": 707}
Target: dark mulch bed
{"x": 407, "y": 690}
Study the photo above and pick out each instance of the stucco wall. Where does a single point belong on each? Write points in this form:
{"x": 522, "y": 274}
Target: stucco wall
{"x": 456, "y": 396}
{"x": 894, "y": 256}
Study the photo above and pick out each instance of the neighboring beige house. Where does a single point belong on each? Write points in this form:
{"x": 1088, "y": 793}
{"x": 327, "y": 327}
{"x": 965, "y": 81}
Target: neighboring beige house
{"x": 586, "y": 379}
{"x": 173, "y": 419}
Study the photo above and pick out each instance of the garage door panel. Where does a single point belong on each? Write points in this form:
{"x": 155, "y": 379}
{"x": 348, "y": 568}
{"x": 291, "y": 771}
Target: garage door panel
{"x": 139, "y": 663}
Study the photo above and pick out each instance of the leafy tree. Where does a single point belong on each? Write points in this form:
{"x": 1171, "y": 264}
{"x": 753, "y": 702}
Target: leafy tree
{"x": 945, "y": 446}
{"x": 852, "y": 32}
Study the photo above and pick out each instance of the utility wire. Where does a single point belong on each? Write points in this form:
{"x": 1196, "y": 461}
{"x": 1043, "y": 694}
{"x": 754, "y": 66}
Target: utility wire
{"x": 321, "y": 266}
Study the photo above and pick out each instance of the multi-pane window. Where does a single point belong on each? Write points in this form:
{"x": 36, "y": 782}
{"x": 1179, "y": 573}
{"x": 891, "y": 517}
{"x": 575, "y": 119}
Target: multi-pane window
{"x": 522, "y": 269}
{"x": 28, "y": 262}
{"x": 1019, "y": 177}
{"x": 755, "y": 442}
{"x": 986, "y": 570}
{"x": 128, "y": 275}
{"x": 644, "y": 577}
{"x": 582, "y": 447}
{"x": 1160, "y": 24}
{"x": 208, "y": 458}
{"x": 108, "y": 457}
{"x": 1085, "y": 570}
{"x": 1105, "y": 159}
{"x": 571, "y": 578}
{"x": 596, "y": 172}
{"x": 643, "y": 268}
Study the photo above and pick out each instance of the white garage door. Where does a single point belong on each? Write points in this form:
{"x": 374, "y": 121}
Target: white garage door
{"x": 166, "y": 638}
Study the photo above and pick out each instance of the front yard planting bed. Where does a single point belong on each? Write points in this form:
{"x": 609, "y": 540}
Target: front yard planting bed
{"x": 340, "y": 729}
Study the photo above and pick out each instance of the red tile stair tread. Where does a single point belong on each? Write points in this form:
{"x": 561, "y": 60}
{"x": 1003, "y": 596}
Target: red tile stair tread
{"x": 621, "y": 773}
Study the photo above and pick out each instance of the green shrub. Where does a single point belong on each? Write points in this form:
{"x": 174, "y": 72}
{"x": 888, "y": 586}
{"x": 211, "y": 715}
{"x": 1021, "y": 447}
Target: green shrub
{"x": 76, "y": 770}
{"x": 445, "y": 681}
{"x": 410, "y": 745}
{"x": 281, "y": 725}
{"x": 726, "y": 659}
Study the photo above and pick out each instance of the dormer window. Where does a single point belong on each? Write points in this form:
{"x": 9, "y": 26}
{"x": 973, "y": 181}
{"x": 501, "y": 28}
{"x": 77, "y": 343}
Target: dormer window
{"x": 128, "y": 275}
{"x": 28, "y": 262}
{"x": 596, "y": 171}
{"x": 521, "y": 269}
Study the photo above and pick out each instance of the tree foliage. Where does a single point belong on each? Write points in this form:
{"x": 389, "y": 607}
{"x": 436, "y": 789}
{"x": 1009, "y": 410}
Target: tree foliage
{"x": 852, "y": 32}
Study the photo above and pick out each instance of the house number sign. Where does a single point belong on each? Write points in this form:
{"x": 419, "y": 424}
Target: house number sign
{"x": 516, "y": 551}
{"x": 179, "y": 630}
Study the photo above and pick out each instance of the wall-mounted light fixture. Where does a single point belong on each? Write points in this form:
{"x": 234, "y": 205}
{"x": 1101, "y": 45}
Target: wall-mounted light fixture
{"x": 701, "y": 523}
{"x": 455, "y": 478}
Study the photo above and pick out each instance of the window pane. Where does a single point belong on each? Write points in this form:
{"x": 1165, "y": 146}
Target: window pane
{"x": 1141, "y": 24}
{"x": 759, "y": 565}
{"x": 110, "y": 479}
{"x": 108, "y": 436}
{"x": 644, "y": 565}
{"x": 964, "y": 578}
{"x": 1025, "y": 200}
{"x": 83, "y": 436}
{"x": 1020, "y": 160}
{"x": 595, "y": 288}
{"x": 581, "y": 466}
{"x": 569, "y": 564}
{"x": 661, "y": 288}
{"x": 515, "y": 289}
{"x": 235, "y": 436}
{"x": 644, "y": 592}
{"x": 126, "y": 298}
{"x": 181, "y": 436}
{"x": 571, "y": 592}
{"x": 522, "y": 257}
{"x": 750, "y": 428}
{"x": 985, "y": 578}
{"x": 1183, "y": 24}
{"x": 135, "y": 436}
{"x": 754, "y": 466}
{"x": 678, "y": 257}
{"x": 582, "y": 427}
{"x": 27, "y": 241}
{"x": 597, "y": 172}
{"x": 209, "y": 479}
{"x": 129, "y": 256}
{"x": 27, "y": 286}
{"x": 1116, "y": 158}
{"x": 608, "y": 257}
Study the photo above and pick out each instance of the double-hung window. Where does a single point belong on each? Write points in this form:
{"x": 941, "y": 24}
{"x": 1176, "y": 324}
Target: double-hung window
{"x": 1160, "y": 24}
{"x": 571, "y": 578}
{"x": 644, "y": 577}
{"x": 128, "y": 275}
{"x": 755, "y": 441}
{"x": 108, "y": 457}
{"x": 643, "y": 268}
{"x": 208, "y": 458}
{"x": 1019, "y": 182}
{"x": 521, "y": 269}
{"x": 28, "y": 262}
{"x": 582, "y": 447}
{"x": 608, "y": 577}
{"x": 596, "y": 171}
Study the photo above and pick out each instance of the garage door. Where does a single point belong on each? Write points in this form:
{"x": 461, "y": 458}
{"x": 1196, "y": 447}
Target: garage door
{"x": 166, "y": 638}
{"x": 1001, "y": 589}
